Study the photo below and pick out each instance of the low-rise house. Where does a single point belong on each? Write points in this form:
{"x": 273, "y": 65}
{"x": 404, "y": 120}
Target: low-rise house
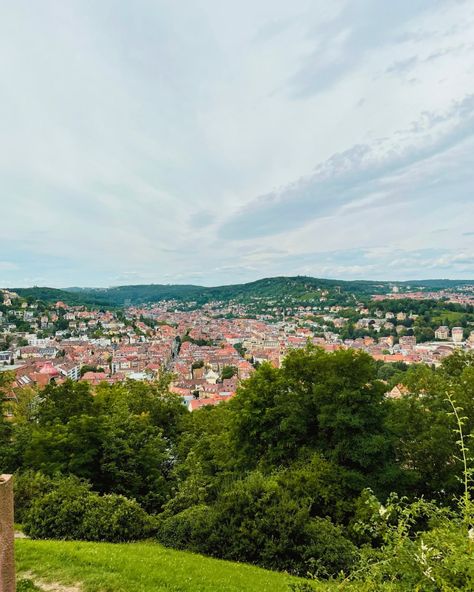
{"x": 407, "y": 341}
{"x": 94, "y": 378}
{"x": 6, "y": 357}
{"x": 442, "y": 333}
{"x": 398, "y": 392}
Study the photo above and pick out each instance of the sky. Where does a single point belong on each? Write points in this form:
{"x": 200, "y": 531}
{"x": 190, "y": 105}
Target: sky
{"x": 215, "y": 142}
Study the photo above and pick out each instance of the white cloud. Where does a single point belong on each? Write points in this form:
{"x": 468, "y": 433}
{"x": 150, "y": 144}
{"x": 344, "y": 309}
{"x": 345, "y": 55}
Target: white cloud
{"x": 134, "y": 135}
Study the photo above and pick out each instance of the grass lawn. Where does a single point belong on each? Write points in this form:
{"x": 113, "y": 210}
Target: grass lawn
{"x": 451, "y": 316}
{"x": 139, "y": 567}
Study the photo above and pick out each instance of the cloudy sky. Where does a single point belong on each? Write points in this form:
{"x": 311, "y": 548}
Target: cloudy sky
{"x": 215, "y": 141}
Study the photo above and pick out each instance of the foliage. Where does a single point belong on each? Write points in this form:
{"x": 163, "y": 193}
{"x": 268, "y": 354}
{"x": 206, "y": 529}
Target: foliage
{"x": 88, "y": 368}
{"x": 114, "y": 518}
{"x": 121, "y": 439}
{"x": 426, "y": 430}
{"x": 309, "y": 469}
{"x": 190, "y": 529}
{"x": 60, "y": 512}
{"x": 61, "y": 403}
{"x": 72, "y": 511}
{"x": 228, "y": 372}
{"x": 29, "y": 486}
{"x": 424, "y": 549}
{"x": 259, "y": 521}
{"x": 6, "y": 453}
{"x": 332, "y": 404}
{"x": 26, "y": 585}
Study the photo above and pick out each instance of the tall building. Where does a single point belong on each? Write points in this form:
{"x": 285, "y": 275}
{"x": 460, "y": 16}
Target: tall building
{"x": 457, "y": 334}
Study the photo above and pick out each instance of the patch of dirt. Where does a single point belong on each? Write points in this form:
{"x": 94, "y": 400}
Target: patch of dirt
{"x": 56, "y": 587}
{"x": 51, "y": 586}
{"x": 20, "y": 535}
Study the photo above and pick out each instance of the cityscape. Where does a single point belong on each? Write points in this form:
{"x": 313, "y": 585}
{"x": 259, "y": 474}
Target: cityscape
{"x": 208, "y": 350}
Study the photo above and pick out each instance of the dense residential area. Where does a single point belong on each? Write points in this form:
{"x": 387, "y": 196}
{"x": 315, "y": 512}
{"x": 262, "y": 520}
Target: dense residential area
{"x": 210, "y": 347}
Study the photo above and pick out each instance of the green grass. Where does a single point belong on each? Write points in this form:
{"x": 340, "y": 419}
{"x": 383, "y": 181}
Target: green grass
{"x": 449, "y": 315}
{"x": 26, "y": 586}
{"x": 139, "y": 567}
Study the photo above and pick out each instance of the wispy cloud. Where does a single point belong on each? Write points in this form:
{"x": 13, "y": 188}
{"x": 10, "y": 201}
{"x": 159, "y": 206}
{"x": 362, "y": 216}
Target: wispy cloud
{"x": 342, "y": 44}
{"x": 352, "y": 177}
{"x": 221, "y": 141}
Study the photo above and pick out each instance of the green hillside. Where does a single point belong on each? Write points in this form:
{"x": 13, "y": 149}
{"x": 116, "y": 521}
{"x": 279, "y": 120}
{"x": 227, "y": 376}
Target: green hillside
{"x": 139, "y": 567}
{"x": 53, "y": 295}
{"x": 299, "y": 287}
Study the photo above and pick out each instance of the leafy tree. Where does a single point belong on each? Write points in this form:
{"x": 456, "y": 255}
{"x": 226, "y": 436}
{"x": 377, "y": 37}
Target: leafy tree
{"x": 6, "y": 380}
{"x": 424, "y": 427}
{"x": 135, "y": 461}
{"x": 330, "y": 403}
{"x": 61, "y": 402}
{"x": 121, "y": 440}
{"x": 228, "y": 372}
{"x": 241, "y": 349}
{"x": 72, "y": 447}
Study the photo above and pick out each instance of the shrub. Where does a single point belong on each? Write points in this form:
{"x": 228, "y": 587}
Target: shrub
{"x": 327, "y": 551}
{"x": 28, "y": 487}
{"x": 437, "y": 558}
{"x": 72, "y": 511}
{"x": 256, "y": 520}
{"x": 259, "y": 521}
{"x": 114, "y": 518}
{"x": 59, "y": 513}
{"x": 190, "y": 529}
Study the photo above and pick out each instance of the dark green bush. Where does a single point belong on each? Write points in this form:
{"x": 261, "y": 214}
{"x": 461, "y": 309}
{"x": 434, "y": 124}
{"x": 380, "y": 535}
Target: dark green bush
{"x": 256, "y": 520}
{"x": 190, "y": 529}
{"x": 261, "y": 522}
{"x": 59, "y": 513}
{"x": 326, "y": 550}
{"x": 114, "y": 518}
{"x": 28, "y": 487}
{"x": 26, "y": 586}
{"x": 72, "y": 511}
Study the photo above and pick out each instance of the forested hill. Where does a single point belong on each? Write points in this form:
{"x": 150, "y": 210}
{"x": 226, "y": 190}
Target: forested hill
{"x": 299, "y": 287}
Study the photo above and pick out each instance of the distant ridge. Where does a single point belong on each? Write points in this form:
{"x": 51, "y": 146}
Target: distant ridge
{"x": 302, "y": 287}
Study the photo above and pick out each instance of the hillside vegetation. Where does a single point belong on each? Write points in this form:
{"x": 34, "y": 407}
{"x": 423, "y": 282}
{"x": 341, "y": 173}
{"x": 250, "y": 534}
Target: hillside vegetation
{"x": 299, "y": 287}
{"x": 309, "y": 469}
{"x": 277, "y": 287}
